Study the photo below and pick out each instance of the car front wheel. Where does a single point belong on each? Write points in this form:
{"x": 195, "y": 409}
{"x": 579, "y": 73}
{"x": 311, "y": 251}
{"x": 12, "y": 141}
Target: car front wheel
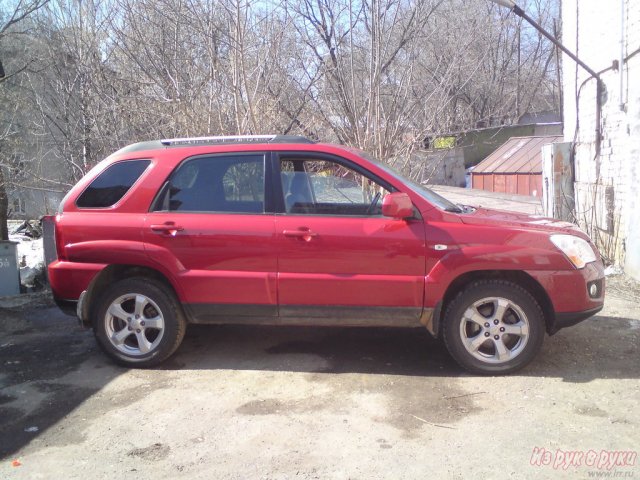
{"x": 138, "y": 322}
{"x": 493, "y": 327}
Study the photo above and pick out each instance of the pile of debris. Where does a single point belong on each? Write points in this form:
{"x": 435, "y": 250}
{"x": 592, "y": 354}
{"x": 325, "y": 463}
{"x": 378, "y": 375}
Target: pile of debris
{"x": 28, "y": 229}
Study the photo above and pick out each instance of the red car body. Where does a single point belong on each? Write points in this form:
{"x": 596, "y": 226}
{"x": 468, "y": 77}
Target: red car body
{"x": 284, "y": 268}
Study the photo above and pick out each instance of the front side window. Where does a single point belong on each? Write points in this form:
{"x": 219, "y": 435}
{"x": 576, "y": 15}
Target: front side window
{"x": 321, "y": 187}
{"x": 233, "y": 184}
{"x": 112, "y": 184}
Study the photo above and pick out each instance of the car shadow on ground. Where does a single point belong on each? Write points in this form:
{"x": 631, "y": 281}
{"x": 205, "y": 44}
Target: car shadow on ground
{"x": 602, "y": 347}
{"x": 50, "y": 366}
{"x": 313, "y": 350}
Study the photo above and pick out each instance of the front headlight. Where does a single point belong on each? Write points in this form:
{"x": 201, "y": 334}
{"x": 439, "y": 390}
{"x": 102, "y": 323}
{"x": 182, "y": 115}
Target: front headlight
{"x": 575, "y": 248}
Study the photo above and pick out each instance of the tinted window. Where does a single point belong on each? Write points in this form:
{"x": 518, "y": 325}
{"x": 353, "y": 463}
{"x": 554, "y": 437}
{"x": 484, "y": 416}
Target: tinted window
{"x": 112, "y": 184}
{"x": 244, "y": 182}
{"x": 232, "y": 184}
{"x": 327, "y": 188}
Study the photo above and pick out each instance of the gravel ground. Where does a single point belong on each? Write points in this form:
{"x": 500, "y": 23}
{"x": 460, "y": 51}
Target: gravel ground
{"x": 275, "y": 403}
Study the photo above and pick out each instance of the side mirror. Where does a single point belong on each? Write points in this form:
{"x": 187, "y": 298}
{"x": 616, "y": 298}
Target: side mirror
{"x": 397, "y": 205}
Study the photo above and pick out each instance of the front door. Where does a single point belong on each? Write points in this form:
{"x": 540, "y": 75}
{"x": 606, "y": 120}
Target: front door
{"x": 209, "y": 228}
{"x": 339, "y": 260}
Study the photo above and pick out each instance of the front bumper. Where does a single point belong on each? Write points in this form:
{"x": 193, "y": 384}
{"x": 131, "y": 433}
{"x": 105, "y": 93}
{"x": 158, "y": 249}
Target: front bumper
{"x": 568, "y": 319}
{"x": 568, "y": 291}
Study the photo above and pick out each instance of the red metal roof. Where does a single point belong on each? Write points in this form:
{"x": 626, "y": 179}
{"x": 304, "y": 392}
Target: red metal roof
{"x": 517, "y": 155}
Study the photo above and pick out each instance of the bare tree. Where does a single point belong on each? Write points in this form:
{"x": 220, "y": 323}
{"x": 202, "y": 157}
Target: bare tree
{"x": 9, "y": 20}
{"x": 380, "y": 75}
{"x": 11, "y": 16}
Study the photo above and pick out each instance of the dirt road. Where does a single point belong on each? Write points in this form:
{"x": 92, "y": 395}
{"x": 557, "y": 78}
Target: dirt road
{"x": 272, "y": 403}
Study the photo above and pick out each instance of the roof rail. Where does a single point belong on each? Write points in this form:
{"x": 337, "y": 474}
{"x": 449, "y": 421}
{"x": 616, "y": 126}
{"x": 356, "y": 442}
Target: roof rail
{"x": 231, "y": 139}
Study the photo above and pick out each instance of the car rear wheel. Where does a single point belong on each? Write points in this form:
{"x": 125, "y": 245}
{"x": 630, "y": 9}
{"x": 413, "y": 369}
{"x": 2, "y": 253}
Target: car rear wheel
{"x": 138, "y": 322}
{"x": 493, "y": 327}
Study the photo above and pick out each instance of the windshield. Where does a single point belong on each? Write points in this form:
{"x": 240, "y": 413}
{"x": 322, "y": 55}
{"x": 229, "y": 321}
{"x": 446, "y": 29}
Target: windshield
{"x": 428, "y": 194}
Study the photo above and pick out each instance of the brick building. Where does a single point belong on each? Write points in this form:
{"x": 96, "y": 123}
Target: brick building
{"x": 606, "y": 36}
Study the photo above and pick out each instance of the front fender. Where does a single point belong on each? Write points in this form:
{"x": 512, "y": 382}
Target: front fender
{"x": 467, "y": 259}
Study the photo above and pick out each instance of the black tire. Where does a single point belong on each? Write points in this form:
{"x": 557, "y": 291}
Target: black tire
{"x": 123, "y": 343}
{"x": 522, "y": 315}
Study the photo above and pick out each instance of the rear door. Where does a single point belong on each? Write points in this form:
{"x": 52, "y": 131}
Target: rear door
{"x": 209, "y": 225}
{"x": 340, "y": 261}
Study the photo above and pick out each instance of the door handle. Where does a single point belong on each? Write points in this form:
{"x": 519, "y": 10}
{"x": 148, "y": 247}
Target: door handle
{"x": 305, "y": 235}
{"x": 168, "y": 228}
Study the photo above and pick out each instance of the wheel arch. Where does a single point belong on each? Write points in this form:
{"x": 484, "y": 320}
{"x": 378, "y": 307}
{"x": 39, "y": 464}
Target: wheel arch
{"x": 114, "y": 273}
{"x": 518, "y": 277}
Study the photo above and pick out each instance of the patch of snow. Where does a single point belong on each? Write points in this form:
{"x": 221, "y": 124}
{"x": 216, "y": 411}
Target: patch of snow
{"x": 613, "y": 270}
{"x": 30, "y": 258}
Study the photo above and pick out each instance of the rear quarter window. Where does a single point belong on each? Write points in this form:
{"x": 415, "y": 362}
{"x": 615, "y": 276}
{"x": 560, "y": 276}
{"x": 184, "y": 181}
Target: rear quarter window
{"x": 112, "y": 184}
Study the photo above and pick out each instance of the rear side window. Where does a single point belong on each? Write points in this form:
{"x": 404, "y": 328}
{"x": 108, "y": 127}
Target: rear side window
{"x": 223, "y": 183}
{"x": 112, "y": 184}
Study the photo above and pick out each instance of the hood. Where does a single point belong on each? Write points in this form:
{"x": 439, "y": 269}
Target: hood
{"x": 503, "y": 218}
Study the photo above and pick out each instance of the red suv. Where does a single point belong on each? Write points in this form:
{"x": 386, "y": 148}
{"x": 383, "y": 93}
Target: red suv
{"x": 280, "y": 230}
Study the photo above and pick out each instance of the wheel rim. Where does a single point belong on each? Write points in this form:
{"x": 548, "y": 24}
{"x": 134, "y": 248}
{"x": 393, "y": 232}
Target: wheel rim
{"x": 134, "y": 324}
{"x": 494, "y": 330}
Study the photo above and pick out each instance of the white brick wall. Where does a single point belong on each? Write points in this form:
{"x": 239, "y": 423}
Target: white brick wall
{"x": 608, "y": 188}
